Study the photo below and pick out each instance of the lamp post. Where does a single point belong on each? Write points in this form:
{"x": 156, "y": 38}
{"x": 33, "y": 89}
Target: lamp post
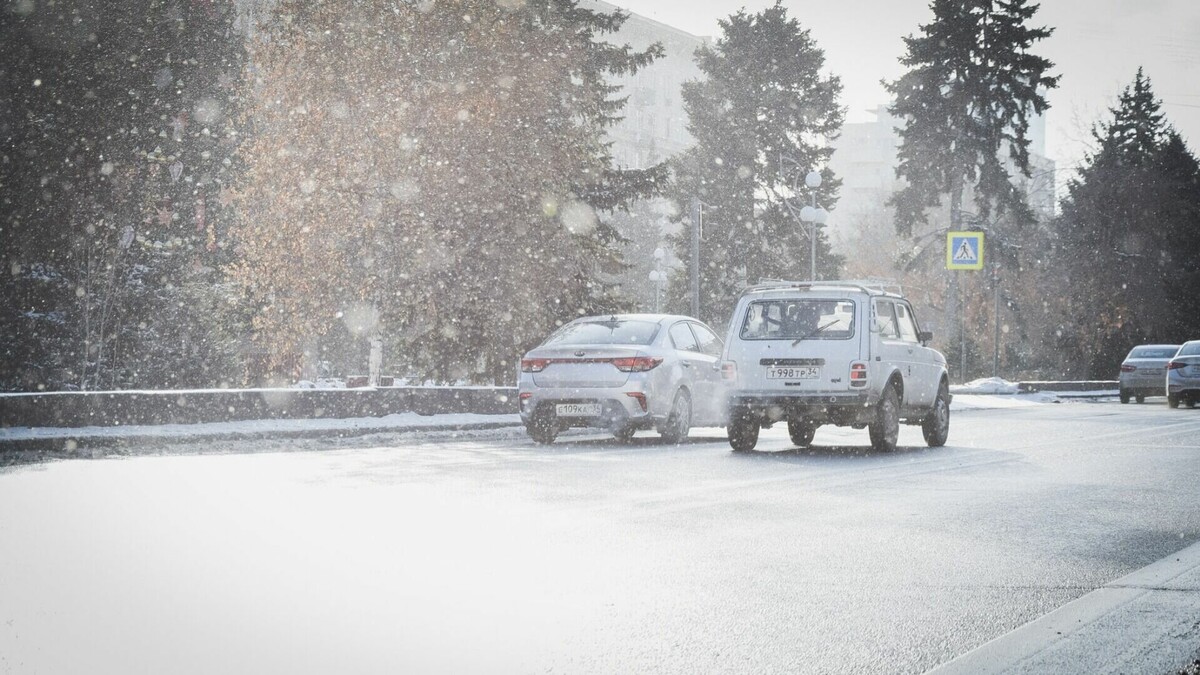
{"x": 812, "y": 216}
{"x": 657, "y": 276}
{"x": 815, "y": 216}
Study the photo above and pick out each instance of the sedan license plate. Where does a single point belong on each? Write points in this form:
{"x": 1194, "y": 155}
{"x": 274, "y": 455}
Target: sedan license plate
{"x": 577, "y": 409}
{"x": 794, "y": 373}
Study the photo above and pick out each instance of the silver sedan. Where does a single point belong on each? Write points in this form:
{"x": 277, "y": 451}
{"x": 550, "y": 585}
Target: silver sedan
{"x": 1183, "y": 376}
{"x": 1142, "y": 371}
{"x": 624, "y": 373}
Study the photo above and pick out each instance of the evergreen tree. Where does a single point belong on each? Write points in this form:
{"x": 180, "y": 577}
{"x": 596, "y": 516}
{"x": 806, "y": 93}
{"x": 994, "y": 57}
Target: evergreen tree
{"x": 116, "y": 136}
{"x": 761, "y": 118}
{"x": 971, "y": 86}
{"x": 1128, "y": 237}
{"x": 433, "y": 175}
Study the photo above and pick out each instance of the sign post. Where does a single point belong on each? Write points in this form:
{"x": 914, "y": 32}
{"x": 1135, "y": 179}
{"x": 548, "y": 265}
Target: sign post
{"x": 964, "y": 251}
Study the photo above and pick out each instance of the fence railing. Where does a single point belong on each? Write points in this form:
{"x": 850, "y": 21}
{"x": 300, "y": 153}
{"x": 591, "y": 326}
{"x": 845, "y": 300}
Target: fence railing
{"x": 120, "y": 408}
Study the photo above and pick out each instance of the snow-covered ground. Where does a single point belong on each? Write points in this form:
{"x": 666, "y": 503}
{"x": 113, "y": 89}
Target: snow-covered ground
{"x": 985, "y": 394}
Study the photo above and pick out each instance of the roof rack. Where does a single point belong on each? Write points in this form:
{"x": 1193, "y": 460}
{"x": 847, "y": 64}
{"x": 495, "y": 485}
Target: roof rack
{"x": 865, "y": 285}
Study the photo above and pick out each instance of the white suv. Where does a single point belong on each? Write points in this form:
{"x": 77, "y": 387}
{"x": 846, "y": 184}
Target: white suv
{"x": 832, "y": 352}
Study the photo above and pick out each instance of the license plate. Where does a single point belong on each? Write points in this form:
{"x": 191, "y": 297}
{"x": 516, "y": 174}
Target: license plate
{"x": 794, "y": 373}
{"x": 578, "y": 409}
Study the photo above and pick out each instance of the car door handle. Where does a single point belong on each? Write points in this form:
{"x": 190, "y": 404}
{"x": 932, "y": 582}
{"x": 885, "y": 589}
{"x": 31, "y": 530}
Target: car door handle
{"x": 686, "y": 364}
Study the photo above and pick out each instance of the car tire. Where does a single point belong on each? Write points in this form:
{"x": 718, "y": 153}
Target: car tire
{"x": 743, "y": 430}
{"x": 1172, "y": 401}
{"x": 542, "y": 426}
{"x": 801, "y": 431}
{"x": 885, "y": 428}
{"x": 1124, "y": 396}
{"x": 675, "y": 430}
{"x": 936, "y": 425}
{"x": 624, "y": 433}
{"x": 1140, "y": 398}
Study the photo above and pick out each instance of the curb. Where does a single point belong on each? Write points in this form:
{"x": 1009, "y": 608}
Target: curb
{"x": 1146, "y": 621}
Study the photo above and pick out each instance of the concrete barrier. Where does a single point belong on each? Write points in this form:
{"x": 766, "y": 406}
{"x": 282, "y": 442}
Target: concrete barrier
{"x": 119, "y": 408}
{"x": 1052, "y": 386}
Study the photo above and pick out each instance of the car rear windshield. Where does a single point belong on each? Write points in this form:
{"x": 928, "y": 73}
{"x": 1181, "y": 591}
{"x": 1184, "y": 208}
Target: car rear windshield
{"x": 610, "y": 332}
{"x": 792, "y": 319}
{"x": 1190, "y": 349}
{"x": 1153, "y": 352}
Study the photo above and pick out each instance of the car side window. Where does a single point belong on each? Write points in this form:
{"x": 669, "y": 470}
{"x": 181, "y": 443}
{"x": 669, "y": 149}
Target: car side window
{"x": 682, "y": 338}
{"x": 906, "y": 323}
{"x": 885, "y": 318}
{"x": 710, "y": 344}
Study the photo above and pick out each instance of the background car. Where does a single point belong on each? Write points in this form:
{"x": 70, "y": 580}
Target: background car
{"x": 1142, "y": 371}
{"x": 623, "y": 373}
{"x": 1183, "y": 376}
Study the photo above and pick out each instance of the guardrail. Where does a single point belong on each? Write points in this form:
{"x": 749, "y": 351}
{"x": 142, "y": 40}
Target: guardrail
{"x": 121, "y": 408}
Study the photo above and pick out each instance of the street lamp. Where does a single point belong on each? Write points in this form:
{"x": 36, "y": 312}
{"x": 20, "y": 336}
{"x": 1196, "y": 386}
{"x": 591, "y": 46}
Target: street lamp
{"x": 815, "y": 216}
{"x": 657, "y": 275}
{"x": 812, "y": 217}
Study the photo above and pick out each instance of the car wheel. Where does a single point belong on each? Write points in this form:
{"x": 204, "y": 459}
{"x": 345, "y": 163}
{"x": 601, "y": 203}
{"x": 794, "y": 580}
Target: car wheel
{"x": 1140, "y": 399}
{"x": 1191, "y": 402}
{"x": 1124, "y": 396}
{"x": 624, "y": 433}
{"x": 936, "y": 425}
{"x": 743, "y": 430}
{"x": 542, "y": 427}
{"x": 801, "y": 431}
{"x": 680, "y": 419}
{"x": 885, "y": 428}
{"x": 1172, "y": 401}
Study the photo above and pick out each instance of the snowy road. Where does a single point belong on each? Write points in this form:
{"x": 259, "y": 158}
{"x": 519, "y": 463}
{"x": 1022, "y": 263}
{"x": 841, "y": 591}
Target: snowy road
{"x": 433, "y": 554}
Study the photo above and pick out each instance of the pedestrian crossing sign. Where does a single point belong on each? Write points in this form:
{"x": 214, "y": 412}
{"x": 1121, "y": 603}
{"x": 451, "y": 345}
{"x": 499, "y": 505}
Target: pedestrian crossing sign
{"x": 964, "y": 250}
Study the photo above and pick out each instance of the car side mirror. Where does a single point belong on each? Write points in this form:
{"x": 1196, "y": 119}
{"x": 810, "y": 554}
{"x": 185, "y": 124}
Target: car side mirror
{"x": 925, "y": 336}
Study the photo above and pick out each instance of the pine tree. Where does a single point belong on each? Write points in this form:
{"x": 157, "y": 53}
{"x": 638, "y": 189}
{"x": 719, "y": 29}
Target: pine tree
{"x": 101, "y": 101}
{"x": 971, "y": 87}
{"x": 1128, "y": 236}
{"x": 760, "y": 117}
{"x": 450, "y": 202}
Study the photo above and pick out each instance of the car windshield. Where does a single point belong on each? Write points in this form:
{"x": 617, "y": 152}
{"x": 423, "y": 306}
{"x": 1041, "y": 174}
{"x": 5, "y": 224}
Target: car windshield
{"x": 792, "y": 319}
{"x": 1190, "y": 349}
{"x": 608, "y": 332}
{"x": 1153, "y": 352}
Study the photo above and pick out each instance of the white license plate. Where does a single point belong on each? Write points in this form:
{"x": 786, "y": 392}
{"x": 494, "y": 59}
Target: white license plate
{"x": 794, "y": 373}
{"x": 577, "y": 409}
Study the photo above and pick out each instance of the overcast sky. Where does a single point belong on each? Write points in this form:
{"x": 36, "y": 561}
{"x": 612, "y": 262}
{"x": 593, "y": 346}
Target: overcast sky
{"x": 1097, "y": 47}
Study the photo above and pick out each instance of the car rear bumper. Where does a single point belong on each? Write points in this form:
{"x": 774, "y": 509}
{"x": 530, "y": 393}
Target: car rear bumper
{"x": 838, "y": 407}
{"x": 617, "y": 407}
{"x": 1142, "y": 385}
{"x": 1183, "y": 386}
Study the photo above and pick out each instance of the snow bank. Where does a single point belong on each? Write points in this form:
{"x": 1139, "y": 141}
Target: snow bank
{"x": 986, "y": 385}
{"x": 993, "y": 402}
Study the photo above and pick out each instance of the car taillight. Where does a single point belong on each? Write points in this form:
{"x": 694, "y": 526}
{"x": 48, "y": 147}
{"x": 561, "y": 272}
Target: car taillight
{"x": 1176, "y": 365}
{"x": 858, "y": 374}
{"x": 534, "y": 365}
{"x": 636, "y": 364}
{"x": 639, "y": 397}
{"x": 1126, "y": 368}
{"x": 728, "y": 370}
